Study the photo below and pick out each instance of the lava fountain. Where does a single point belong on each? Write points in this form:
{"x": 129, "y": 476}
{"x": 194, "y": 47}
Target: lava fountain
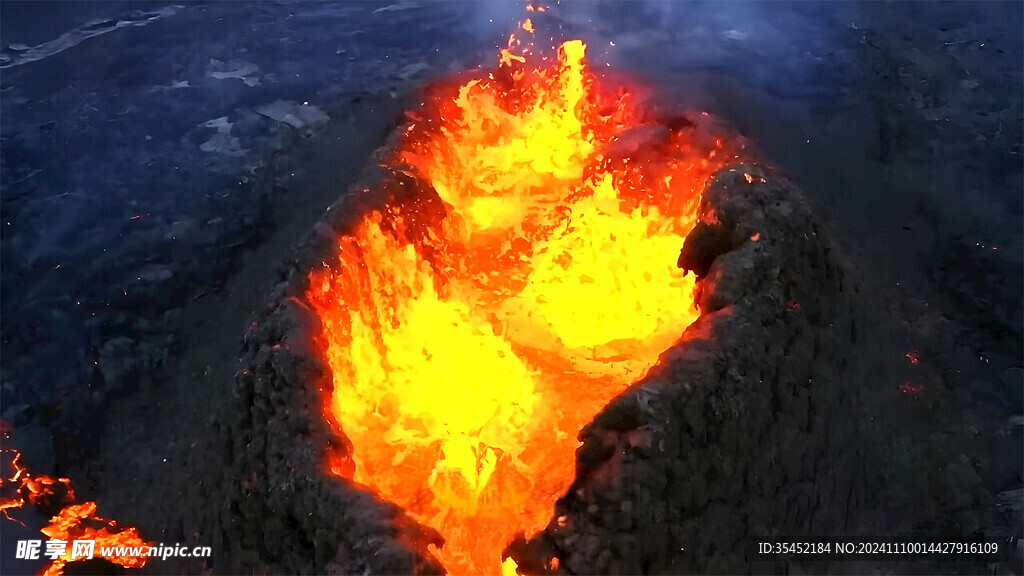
{"x": 473, "y": 328}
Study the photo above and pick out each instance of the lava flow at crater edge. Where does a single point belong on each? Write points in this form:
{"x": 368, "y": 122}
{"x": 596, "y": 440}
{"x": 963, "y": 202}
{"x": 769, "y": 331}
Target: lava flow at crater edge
{"x": 474, "y": 329}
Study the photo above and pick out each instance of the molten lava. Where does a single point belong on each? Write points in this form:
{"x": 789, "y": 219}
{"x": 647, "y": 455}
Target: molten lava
{"x": 73, "y": 522}
{"x": 474, "y": 328}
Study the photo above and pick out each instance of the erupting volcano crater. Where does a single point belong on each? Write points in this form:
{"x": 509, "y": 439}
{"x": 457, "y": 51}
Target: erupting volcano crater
{"x": 526, "y": 252}
{"x": 476, "y": 324}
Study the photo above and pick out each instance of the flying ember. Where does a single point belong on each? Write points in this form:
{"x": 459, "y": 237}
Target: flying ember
{"x": 474, "y": 328}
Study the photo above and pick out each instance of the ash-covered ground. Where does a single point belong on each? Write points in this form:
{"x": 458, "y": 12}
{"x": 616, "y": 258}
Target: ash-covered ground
{"x": 159, "y": 162}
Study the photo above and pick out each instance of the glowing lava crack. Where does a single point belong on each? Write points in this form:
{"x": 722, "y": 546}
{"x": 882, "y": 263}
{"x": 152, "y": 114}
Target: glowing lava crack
{"x": 473, "y": 328}
{"x": 72, "y": 522}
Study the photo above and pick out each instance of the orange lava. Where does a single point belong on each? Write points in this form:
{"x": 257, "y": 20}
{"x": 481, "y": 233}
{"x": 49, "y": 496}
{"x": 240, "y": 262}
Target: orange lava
{"x": 474, "y": 328}
{"x": 73, "y": 522}
{"x": 36, "y": 489}
{"x": 80, "y": 522}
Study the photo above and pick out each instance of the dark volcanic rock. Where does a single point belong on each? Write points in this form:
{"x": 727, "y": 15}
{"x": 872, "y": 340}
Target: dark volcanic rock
{"x": 120, "y": 366}
{"x": 35, "y": 443}
{"x": 705, "y": 243}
